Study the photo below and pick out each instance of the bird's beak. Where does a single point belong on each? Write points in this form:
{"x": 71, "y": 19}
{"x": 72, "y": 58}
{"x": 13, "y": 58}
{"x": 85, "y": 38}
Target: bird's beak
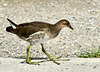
{"x": 71, "y": 27}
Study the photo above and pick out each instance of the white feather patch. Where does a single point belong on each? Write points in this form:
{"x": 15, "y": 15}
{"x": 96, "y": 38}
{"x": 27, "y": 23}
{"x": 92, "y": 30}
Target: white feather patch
{"x": 14, "y": 27}
{"x": 38, "y": 37}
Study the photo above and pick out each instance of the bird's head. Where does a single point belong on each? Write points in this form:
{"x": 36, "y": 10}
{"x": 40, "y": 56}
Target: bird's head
{"x": 64, "y": 23}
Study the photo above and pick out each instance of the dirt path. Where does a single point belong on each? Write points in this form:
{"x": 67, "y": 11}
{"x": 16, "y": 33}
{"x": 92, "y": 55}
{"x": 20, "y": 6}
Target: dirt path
{"x": 74, "y": 65}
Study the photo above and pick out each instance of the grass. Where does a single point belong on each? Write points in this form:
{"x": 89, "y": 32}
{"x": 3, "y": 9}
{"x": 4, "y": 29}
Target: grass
{"x": 92, "y": 54}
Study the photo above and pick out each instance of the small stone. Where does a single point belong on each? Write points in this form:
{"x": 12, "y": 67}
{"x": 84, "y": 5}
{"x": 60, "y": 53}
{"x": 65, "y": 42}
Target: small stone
{"x": 94, "y": 67}
{"x": 5, "y": 4}
{"x": 66, "y": 68}
{"x": 2, "y": 15}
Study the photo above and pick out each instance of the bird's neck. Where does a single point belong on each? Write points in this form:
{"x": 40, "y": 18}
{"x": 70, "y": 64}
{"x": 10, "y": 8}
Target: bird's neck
{"x": 55, "y": 29}
{"x": 58, "y": 26}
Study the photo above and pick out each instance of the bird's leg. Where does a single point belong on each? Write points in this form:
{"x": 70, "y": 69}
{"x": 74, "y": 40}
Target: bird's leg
{"x": 27, "y": 55}
{"x": 51, "y": 58}
{"x": 29, "y": 60}
{"x": 37, "y": 63}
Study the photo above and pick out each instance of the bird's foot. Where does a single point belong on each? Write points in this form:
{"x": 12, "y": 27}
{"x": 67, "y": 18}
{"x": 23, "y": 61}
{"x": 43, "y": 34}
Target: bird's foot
{"x": 30, "y": 62}
{"x": 62, "y": 59}
{"x": 57, "y": 59}
{"x": 33, "y": 63}
{"x": 37, "y": 63}
{"x": 24, "y": 61}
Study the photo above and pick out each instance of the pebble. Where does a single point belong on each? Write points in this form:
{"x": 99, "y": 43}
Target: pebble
{"x": 5, "y": 4}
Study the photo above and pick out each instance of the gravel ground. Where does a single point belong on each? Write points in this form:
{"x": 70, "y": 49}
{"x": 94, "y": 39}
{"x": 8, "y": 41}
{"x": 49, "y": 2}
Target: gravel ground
{"x": 74, "y": 65}
{"x": 84, "y": 16}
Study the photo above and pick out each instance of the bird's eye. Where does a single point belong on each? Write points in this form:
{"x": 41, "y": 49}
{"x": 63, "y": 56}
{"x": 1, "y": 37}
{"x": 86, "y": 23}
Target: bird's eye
{"x": 64, "y": 23}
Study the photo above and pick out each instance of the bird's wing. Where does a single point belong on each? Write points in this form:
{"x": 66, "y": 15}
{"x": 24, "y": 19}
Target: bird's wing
{"x": 28, "y": 29}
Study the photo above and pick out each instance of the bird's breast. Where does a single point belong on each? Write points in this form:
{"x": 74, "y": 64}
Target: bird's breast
{"x": 38, "y": 37}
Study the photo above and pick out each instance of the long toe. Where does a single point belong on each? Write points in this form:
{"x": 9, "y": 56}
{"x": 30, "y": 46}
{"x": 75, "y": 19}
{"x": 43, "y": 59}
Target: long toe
{"x": 23, "y": 61}
{"x": 33, "y": 63}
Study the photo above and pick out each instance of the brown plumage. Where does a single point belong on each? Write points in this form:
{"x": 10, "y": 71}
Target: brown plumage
{"x": 24, "y": 30}
{"x": 37, "y": 32}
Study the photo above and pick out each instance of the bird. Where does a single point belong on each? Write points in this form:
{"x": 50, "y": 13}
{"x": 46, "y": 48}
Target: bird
{"x": 37, "y": 32}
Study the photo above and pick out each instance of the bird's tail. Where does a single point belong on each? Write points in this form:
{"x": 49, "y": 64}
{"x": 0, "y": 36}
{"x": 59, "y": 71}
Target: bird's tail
{"x": 12, "y": 23}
